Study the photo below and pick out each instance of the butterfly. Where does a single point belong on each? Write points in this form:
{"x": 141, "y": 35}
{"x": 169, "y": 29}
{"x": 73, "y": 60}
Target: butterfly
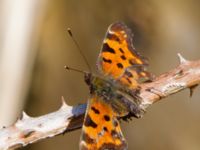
{"x": 114, "y": 92}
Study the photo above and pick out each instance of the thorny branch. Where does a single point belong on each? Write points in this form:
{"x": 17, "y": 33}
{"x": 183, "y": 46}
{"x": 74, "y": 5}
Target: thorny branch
{"x": 28, "y": 130}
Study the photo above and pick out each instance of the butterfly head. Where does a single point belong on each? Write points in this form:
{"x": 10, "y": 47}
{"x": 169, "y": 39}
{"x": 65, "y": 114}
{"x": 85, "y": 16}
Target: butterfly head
{"x": 88, "y": 78}
{"x": 98, "y": 85}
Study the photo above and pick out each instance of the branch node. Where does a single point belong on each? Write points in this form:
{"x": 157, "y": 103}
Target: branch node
{"x": 182, "y": 59}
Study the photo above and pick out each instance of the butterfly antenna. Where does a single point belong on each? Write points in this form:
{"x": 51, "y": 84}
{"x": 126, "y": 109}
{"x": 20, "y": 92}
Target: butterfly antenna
{"x": 80, "y": 51}
{"x": 73, "y": 69}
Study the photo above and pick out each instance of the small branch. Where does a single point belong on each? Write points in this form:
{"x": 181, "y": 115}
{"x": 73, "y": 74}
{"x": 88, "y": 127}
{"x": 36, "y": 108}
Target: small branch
{"x": 28, "y": 130}
{"x": 185, "y": 75}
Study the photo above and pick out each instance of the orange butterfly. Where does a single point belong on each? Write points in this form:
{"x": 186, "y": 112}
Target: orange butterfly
{"x": 114, "y": 93}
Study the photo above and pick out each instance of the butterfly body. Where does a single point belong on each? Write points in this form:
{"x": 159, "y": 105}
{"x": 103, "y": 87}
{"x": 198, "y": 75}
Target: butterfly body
{"x": 120, "y": 98}
{"x": 113, "y": 93}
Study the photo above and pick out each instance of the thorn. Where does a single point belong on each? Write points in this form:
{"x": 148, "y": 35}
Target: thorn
{"x": 69, "y": 32}
{"x": 181, "y": 58}
{"x": 24, "y": 116}
{"x": 64, "y": 104}
{"x": 66, "y": 67}
{"x": 20, "y": 120}
{"x": 192, "y": 89}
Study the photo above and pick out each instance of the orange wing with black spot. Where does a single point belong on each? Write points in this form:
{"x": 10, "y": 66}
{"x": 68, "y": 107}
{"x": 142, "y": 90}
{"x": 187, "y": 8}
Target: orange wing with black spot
{"x": 101, "y": 129}
{"x": 119, "y": 59}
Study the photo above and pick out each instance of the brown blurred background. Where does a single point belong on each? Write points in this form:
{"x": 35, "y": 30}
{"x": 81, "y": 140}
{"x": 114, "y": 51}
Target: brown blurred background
{"x": 34, "y": 47}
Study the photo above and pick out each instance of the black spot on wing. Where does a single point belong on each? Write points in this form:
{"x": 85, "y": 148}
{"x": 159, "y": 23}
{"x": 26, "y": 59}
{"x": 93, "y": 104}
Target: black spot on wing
{"x": 113, "y": 37}
{"x": 96, "y": 111}
{"x": 131, "y": 62}
{"x": 89, "y": 122}
{"x": 107, "y": 118}
{"x": 105, "y": 129}
{"x": 121, "y": 50}
{"x": 123, "y": 57}
{"x": 107, "y": 48}
{"x": 107, "y": 60}
{"x": 108, "y": 146}
{"x": 119, "y": 65}
{"x": 113, "y": 146}
{"x": 116, "y": 135}
{"x": 87, "y": 138}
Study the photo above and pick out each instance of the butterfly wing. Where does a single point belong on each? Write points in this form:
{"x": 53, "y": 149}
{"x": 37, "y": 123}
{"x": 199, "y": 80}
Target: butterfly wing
{"x": 119, "y": 59}
{"x": 101, "y": 129}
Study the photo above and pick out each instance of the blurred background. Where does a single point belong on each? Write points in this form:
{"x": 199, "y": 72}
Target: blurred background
{"x": 35, "y": 46}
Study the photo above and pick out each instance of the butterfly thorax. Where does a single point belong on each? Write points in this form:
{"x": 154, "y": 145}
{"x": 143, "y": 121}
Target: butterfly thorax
{"x": 125, "y": 102}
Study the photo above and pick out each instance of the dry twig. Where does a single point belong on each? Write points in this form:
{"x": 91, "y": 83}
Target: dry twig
{"x": 28, "y": 130}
